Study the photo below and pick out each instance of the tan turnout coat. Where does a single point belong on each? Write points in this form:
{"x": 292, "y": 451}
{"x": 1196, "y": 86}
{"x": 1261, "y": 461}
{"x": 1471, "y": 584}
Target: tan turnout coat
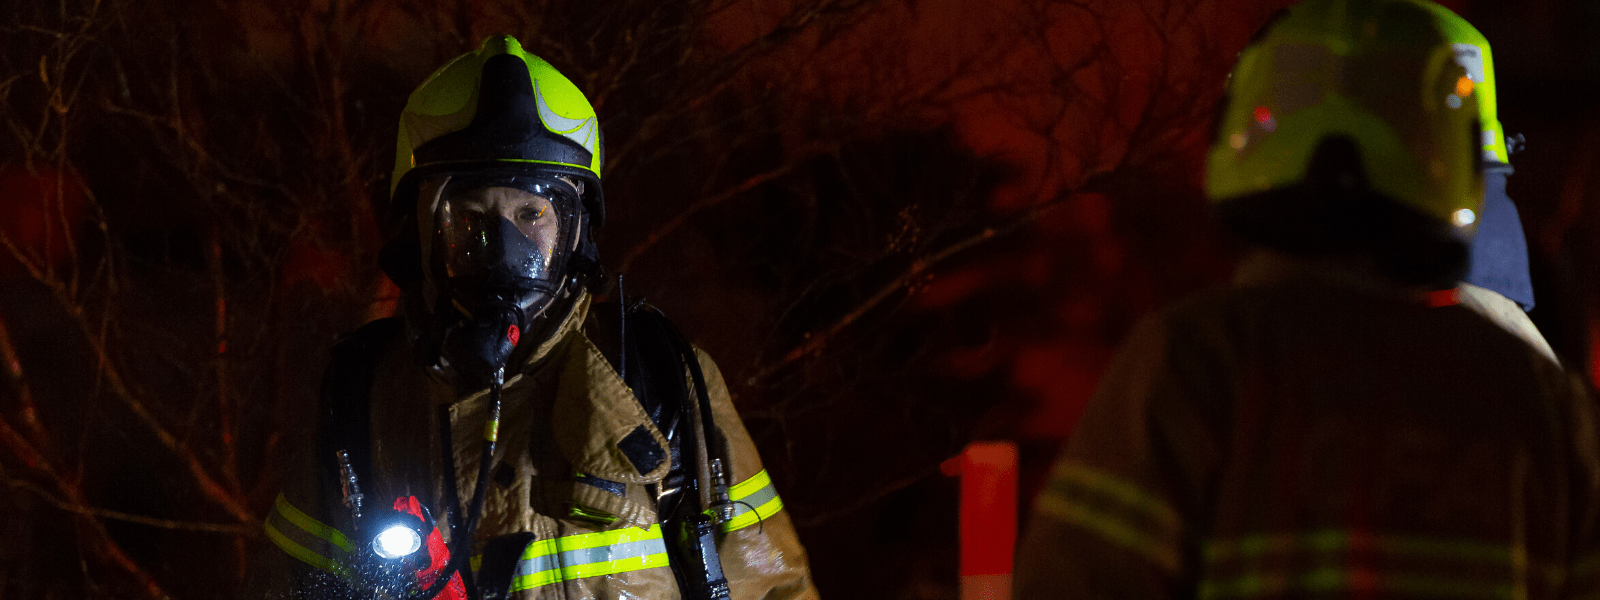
{"x": 559, "y": 475}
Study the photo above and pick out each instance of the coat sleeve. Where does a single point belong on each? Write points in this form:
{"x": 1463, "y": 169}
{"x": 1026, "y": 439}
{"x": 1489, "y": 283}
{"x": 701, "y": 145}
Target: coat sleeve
{"x": 309, "y": 554}
{"x": 305, "y": 553}
{"x": 1118, "y": 516}
{"x": 760, "y": 551}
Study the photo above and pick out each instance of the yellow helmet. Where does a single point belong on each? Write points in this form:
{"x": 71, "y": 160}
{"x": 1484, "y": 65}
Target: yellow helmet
{"x": 511, "y": 111}
{"x": 1473, "y": 54}
{"x": 1374, "y": 79}
{"x": 495, "y": 110}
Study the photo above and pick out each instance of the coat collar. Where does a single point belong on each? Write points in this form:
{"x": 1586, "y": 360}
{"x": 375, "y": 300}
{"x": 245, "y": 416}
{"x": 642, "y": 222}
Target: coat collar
{"x": 598, "y": 424}
{"x": 541, "y": 359}
{"x": 602, "y": 429}
{"x": 1267, "y": 268}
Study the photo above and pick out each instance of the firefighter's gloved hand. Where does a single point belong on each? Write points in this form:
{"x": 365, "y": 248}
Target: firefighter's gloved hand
{"x": 438, "y": 555}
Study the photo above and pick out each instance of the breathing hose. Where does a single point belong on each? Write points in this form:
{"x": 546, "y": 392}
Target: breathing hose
{"x": 461, "y": 545}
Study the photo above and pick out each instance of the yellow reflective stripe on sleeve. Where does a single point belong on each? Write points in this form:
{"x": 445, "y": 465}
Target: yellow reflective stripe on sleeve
{"x": 589, "y": 555}
{"x": 1117, "y": 511}
{"x": 306, "y": 539}
{"x": 754, "y": 499}
{"x": 312, "y": 526}
{"x": 1122, "y": 492}
{"x": 1163, "y": 552}
{"x": 304, "y": 554}
{"x": 750, "y": 486}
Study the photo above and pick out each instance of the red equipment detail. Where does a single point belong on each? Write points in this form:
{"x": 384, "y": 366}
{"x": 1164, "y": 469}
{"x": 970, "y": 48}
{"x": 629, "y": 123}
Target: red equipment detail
{"x": 1438, "y": 298}
{"x": 512, "y": 333}
{"x": 438, "y": 555}
{"x": 988, "y": 508}
{"x": 988, "y": 472}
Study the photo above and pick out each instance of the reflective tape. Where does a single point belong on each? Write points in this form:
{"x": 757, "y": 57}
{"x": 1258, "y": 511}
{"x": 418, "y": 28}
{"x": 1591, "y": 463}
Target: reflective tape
{"x": 307, "y": 539}
{"x": 1321, "y": 561}
{"x": 1115, "y": 510}
{"x": 754, "y": 500}
{"x": 1328, "y": 579}
{"x": 589, "y": 555}
{"x": 1335, "y": 540}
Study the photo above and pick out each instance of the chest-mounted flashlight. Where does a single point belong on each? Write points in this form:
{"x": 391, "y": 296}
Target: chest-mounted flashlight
{"x": 397, "y": 541}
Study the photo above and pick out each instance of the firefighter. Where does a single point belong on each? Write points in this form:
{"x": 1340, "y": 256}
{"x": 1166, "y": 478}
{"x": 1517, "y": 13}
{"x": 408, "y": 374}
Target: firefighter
{"x": 504, "y": 437}
{"x": 1316, "y": 429}
{"x": 1497, "y": 285}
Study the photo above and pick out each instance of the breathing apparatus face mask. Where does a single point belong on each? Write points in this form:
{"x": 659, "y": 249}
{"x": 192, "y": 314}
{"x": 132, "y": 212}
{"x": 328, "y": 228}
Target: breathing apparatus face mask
{"x": 497, "y": 248}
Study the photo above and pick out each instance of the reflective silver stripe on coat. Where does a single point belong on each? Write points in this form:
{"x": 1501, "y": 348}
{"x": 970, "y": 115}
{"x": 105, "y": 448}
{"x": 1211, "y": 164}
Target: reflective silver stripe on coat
{"x": 754, "y": 499}
{"x": 589, "y": 555}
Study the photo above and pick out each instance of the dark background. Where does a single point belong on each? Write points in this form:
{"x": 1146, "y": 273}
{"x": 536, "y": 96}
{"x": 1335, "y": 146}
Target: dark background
{"x": 899, "y": 226}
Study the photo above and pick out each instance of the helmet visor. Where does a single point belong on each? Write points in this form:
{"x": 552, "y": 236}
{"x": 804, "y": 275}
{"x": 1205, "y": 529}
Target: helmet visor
{"x": 505, "y": 238}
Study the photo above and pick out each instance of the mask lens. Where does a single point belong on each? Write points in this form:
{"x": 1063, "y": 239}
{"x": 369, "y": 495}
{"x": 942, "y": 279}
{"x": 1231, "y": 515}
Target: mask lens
{"x": 509, "y": 234}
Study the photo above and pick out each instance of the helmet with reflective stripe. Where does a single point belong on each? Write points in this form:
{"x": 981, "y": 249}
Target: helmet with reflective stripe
{"x": 1373, "y": 84}
{"x": 1472, "y": 53}
{"x": 1499, "y": 249}
{"x": 498, "y": 109}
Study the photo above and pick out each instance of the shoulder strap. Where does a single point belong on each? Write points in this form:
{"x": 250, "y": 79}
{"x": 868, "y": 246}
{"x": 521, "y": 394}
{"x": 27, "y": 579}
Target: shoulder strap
{"x": 675, "y": 356}
{"x": 662, "y": 356}
{"x": 646, "y": 360}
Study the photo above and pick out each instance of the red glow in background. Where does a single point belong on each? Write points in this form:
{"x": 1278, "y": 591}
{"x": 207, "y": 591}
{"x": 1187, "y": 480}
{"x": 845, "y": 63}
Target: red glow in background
{"x": 899, "y": 228}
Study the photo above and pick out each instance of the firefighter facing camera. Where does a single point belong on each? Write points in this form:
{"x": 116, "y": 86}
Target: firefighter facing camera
{"x": 506, "y": 436}
{"x": 1318, "y": 429}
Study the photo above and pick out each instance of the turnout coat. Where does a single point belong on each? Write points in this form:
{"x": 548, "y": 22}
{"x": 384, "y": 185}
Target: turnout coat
{"x": 1308, "y": 435}
{"x": 570, "y": 509}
